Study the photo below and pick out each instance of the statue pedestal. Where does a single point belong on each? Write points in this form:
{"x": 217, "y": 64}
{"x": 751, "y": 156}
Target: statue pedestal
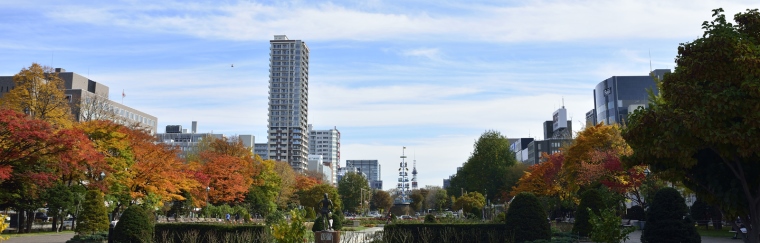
{"x": 327, "y": 236}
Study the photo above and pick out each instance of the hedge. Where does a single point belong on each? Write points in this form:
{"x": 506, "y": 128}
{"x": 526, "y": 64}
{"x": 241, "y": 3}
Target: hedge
{"x": 445, "y": 233}
{"x": 221, "y": 232}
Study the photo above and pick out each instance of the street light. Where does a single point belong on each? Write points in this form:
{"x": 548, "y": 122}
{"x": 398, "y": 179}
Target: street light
{"x": 208, "y": 188}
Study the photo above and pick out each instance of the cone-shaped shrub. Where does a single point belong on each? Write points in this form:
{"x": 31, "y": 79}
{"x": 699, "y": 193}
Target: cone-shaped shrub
{"x": 94, "y": 217}
{"x": 590, "y": 199}
{"x": 430, "y": 219}
{"x": 319, "y": 224}
{"x": 337, "y": 223}
{"x": 667, "y": 219}
{"x": 135, "y": 225}
{"x": 526, "y": 219}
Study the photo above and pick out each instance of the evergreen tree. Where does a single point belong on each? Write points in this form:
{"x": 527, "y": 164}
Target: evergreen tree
{"x": 94, "y": 217}
{"x": 667, "y": 219}
{"x": 135, "y": 225}
{"x": 526, "y": 219}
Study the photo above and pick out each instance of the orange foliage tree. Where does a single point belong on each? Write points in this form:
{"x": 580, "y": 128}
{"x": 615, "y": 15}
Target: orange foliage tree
{"x": 542, "y": 179}
{"x": 157, "y": 171}
{"x": 230, "y": 168}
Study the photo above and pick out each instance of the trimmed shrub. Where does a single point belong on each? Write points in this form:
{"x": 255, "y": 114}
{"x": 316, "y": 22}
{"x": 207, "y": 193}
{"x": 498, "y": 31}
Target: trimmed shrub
{"x": 430, "y": 219}
{"x": 636, "y": 213}
{"x": 667, "y": 219}
{"x": 337, "y": 223}
{"x": 590, "y": 199}
{"x": 134, "y": 226}
{"x": 457, "y": 232}
{"x": 208, "y": 233}
{"x": 319, "y": 224}
{"x": 526, "y": 219}
{"x": 94, "y": 217}
{"x": 97, "y": 237}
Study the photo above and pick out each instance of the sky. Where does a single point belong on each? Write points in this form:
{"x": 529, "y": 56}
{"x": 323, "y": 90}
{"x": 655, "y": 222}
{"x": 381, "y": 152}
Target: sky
{"x": 430, "y": 76}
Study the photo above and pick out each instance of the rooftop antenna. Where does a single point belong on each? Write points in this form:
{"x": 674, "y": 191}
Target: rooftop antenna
{"x": 563, "y": 101}
{"x": 650, "y": 60}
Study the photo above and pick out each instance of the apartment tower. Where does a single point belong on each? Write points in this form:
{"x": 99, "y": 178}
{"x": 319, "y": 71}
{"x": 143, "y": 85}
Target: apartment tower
{"x": 288, "y": 102}
{"x": 327, "y": 144}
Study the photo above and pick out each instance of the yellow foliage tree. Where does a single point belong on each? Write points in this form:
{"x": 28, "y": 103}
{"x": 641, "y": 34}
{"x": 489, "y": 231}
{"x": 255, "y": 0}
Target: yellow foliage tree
{"x": 595, "y": 138}
{"x": 38, "y": 92}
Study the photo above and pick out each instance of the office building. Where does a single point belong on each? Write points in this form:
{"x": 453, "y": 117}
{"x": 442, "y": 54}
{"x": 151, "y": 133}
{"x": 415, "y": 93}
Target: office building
{"x": 371, "y": 170}
{"x": 187, "y": 141}
{"x": 89, "y": 101}
{"x": 316, "y": 164}
{"x": 288, "y": 102}
{"x": 618, "y": 96}
{"x": 327, "y": 144}
{"x": 558, "y": 133}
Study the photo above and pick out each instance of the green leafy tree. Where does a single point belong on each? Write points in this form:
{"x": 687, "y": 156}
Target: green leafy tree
{"x": 470, "y": 202}
{"x": 312, "y": 197}
{"x": 668, "y": 221}
{"x": 418, "y": 200}
{"x": 606, "y": 226}
{"x": 591, "y": 202}
{"x": 350, "y": 188}
{"x": 526, "y": 219}
{"x": 135, "y": 225}
{"x": 701, "y": 129}
{"x": 487, "y": 168}
{"x": 94, "y": 217}
{"x": 437, "y": 199}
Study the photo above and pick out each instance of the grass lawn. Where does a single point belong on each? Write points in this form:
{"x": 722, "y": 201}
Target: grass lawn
{"x": 723, "y": 233}
{"x": 14, "y": 235}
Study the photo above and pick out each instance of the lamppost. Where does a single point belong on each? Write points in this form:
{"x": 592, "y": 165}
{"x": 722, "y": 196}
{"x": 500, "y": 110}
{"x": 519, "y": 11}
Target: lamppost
{"x": 208, "y": 188}
{"x": 361, "y": 201}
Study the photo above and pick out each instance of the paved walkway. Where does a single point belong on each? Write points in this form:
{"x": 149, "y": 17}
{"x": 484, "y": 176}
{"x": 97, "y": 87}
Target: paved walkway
{"x": 352, "y": 237}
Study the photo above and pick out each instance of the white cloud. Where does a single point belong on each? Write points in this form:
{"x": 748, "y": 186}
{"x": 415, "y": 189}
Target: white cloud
{"x": 527, "y": 21}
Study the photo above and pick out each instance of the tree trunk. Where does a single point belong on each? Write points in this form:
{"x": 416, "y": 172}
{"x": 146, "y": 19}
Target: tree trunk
{"x": 29, "y": 221}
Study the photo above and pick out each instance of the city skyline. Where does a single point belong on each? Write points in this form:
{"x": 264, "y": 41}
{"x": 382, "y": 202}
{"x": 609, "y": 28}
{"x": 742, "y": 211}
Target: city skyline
{"x": 388, "y": 74}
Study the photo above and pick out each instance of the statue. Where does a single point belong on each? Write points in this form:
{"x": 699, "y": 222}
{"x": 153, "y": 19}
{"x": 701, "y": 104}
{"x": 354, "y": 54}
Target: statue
{"x": 327, "y": 207}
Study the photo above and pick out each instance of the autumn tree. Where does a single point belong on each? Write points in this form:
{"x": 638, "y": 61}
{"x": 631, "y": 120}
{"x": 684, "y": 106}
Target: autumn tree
{"x": 486, "y": 169}
{"x": 703, "y": 128}
{"x": 594, "y": 138}
{"x": 157, "y": 170}
{"x": 38, "y": 92}
{"x": 382, "y": 200}
{"x": 541, "y": 179}
{"x": 287, "y": 184}
{"x": 350, "y": 188}
{"x": 27, "y": 161}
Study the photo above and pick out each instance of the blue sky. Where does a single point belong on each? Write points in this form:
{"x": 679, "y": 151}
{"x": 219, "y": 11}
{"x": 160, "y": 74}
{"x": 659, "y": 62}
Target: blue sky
{"x": 428, "y": 75}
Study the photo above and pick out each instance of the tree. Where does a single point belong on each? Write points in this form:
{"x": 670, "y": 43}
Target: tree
{"x": 230, "y": 168}
{"x": 262, "y": 195}
{"x": 436, "y": 198}
{"x": 94, "y": 217}
{"x": 701, "y": 129}
{"x": 28, "y": 152}
{"x": 287, "y": 183}
{"x": 157, "y": 170}
{"x": 350, "y": 188}
{"x": 38, "y": 92}
{"x": 311, "y": 198}
{"x": 487, "y": 167}
{"x": 580, "y": 154}
{"x": 470, "y": 202}
{"x": 526, "y": 219}
{"x": 668, "y": 221}
{"x": 541, "y": 179}
{"x": 382, "y": 200}
{"x": 418, "y": 200}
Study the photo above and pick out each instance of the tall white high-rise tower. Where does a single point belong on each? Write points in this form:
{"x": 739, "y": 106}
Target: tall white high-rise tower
{"x": 288, "y": 102}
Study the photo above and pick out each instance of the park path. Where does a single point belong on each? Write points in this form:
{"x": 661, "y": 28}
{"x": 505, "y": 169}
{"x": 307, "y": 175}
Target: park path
{"x": 354, "y": 237}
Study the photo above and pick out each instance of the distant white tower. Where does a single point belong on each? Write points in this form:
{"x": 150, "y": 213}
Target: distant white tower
{"x": 403, "y": 181}
{"x": 414, "y": 175}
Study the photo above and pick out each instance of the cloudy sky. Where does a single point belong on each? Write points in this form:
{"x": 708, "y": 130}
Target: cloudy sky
{"x": 428, "y": 75}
